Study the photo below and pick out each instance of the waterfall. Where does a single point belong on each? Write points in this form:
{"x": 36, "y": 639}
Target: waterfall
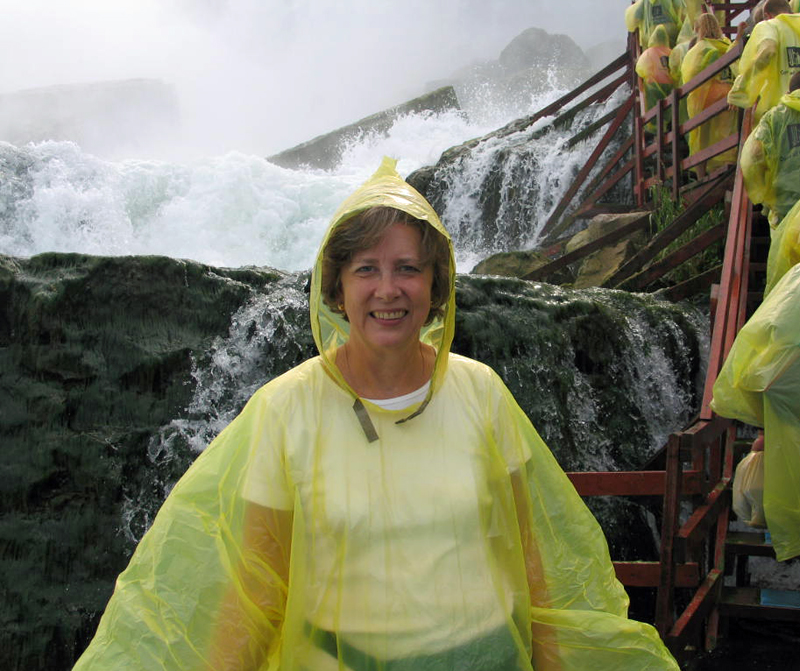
{"x": 496, "y": 193}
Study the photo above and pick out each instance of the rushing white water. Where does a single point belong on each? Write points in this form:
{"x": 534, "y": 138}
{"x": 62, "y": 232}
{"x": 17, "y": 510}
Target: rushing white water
{"x": 237, "y": 209}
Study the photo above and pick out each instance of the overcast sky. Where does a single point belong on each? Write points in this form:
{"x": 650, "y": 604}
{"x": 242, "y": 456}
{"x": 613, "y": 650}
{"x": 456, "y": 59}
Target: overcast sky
{"x": 288, "y": 69}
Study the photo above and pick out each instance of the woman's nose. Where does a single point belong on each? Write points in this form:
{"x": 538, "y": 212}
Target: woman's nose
{"x": 387, "y": 287}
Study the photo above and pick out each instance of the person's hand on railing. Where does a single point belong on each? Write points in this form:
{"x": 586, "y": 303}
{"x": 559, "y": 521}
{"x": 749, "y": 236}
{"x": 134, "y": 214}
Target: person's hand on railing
{"x": 740, "y": 31}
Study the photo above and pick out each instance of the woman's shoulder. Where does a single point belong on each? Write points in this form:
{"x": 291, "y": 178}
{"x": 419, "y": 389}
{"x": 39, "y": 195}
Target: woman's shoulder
{"x": 301, "y": 379}
{"x": 462, "y": 366}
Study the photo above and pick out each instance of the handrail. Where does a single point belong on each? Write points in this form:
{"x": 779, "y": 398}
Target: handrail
{"x": 563, "y": 261}
{"x": 698, "y": 461}
{"x": 705, "y": 531}
{"x": 667, "y": 108}
{"x": 620, "y": 114}
{"x": 551, "y": 109}
{"x": 733, "y": 282}
{"x": 713, "y": 192}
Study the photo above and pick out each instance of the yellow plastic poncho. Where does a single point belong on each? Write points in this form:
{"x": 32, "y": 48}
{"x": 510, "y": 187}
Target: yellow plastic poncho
{"x": 698, "y": 58}
{"x": 411, "y": 536}
{"x": 784, "y": 248}
{"x": 760, "y": 384}
{"x": 770, "y": 158}
{"x": 676, "y": 57}
{"x": 653, "y": 67}
{"x": 645, "y": 16}
{"x": 770, "y": 58}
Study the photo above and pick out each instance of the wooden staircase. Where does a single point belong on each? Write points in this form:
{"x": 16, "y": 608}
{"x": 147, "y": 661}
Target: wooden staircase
{"x": 703, "y": 577}
{"x": 741, "y": 600}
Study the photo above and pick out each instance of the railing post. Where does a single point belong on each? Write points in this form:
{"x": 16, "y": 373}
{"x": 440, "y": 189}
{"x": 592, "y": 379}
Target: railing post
{"x": 666, "y": 585}
{"x": 676, "y": 155}
{"x": 660, "y": 141}
{"x": 638, "y": 127}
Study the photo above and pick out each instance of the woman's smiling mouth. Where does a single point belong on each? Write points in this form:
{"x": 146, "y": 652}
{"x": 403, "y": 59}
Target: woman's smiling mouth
{"x": 395, "y": 314}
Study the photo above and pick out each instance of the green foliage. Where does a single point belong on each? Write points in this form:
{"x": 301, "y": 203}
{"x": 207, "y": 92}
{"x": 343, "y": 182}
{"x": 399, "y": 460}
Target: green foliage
{"x": 665, "y": 211}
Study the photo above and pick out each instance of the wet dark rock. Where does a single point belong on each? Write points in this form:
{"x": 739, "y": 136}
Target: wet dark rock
{"x": 95, "y": 356}
{"x": 325, "y": 151}
{"x": 519, "y": 264}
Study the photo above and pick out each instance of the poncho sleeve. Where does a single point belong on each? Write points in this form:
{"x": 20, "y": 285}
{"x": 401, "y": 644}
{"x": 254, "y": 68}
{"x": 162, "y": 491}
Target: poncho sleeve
{"x": 756, "y": 168}
{"x": 579, "y": 611}
{"x": 198, "y": 589}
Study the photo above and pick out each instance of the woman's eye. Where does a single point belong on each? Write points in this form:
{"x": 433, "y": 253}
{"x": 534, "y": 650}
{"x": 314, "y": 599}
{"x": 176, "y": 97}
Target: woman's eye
{"x": 409, "y": 269}
{"x": 364, "y": 269}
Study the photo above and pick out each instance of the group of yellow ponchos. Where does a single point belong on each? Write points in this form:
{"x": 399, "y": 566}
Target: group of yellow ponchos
{"x": 668, "y": 61}
{"x": 759, "y": 383}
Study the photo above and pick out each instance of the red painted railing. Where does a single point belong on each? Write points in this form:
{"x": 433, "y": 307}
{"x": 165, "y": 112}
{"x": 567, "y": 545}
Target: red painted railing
{"x": 697, "y": 462}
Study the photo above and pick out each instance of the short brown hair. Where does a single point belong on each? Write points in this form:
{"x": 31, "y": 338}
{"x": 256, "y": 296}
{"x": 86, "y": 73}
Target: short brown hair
{"x": 775, "y": 7}
{"x": 365, "y": 230}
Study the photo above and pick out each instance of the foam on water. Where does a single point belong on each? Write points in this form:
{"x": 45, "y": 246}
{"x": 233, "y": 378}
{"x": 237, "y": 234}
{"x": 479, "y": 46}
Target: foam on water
{"x": 229, "y": 210}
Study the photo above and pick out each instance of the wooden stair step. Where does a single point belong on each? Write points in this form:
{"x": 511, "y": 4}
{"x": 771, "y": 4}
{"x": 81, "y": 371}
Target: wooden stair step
{"x": 753, "y": 543}
{"x": 762, "y": 604}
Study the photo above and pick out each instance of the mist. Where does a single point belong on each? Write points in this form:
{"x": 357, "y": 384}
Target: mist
{"x": 259, "y": 76}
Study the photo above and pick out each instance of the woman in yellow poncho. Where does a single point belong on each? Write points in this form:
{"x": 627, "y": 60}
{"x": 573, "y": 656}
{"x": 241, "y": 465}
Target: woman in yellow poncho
{"x": 710, "y": 46}
{"x": 653, "y": 68}
{"x": 385, "y": 505}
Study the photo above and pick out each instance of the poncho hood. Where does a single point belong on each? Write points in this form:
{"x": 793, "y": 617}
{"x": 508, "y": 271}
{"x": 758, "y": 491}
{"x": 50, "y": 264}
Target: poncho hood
{"x": 686, "y": 33}
{"x": 659, "y": 38}
{"x": 385, "y": 188}
{"x": 792, "y": 100}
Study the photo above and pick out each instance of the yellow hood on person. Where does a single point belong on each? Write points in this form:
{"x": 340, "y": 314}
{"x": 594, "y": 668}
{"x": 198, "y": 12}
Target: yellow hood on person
{"x": 770, "y": 159}
{"x": 414, "y": 533}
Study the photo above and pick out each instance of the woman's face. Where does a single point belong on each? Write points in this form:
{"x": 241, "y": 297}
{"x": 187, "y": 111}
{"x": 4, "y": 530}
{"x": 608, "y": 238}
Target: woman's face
{"x": 387, "y": 292}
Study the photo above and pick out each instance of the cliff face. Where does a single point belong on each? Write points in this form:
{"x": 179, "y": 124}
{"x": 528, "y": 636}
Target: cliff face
{"x": 116, "y": 371}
